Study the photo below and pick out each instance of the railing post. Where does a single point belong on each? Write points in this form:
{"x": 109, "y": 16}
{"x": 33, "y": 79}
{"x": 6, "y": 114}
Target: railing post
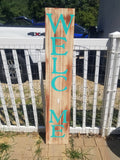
{"x": 74, "y": 89}
{"x": 110, "y": 83}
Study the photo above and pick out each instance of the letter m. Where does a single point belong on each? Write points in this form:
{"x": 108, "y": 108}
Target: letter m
{"x": 56, "y": 118}
{"x": 54, "y": 28}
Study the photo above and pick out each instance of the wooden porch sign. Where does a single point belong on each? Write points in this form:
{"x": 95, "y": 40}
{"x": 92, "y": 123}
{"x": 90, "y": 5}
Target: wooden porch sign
{"x": 59, "y": 24}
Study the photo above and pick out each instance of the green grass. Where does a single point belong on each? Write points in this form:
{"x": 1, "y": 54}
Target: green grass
{"x": 8, "y": 134}
{"x": 18, "y": 101}
{"x": 4, "y": 151}
{"x": 90, "y": 105}
{"x": 6, "y": 90}
{"x": 73, "y": 153}
{"x": 38, "y": 150}
{"x": 28, "y": 101}
{"x": 99, "y": 102}
{"x": 79, "y": 104}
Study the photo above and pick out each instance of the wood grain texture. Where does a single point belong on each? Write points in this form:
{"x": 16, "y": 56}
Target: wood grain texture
{"x": 55, "y": 100}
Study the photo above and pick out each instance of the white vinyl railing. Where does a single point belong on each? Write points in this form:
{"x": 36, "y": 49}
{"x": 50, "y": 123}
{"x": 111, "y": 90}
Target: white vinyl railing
{"x": 27, "y": 45}
{"x": 111, "y": 83}
{"x": 87, "y": 45}
{"x": 86, "y": 88}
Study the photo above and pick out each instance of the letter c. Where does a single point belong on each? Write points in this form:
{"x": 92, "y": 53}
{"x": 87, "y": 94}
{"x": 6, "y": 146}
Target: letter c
{"x": 53, "y": 83}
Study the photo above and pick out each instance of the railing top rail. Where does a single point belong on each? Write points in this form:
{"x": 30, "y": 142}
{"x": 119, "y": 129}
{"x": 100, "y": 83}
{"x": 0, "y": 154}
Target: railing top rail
{"x": 90, "y": 44}
{"x": 39, "y": 43}
{"x": 21, "y": 43}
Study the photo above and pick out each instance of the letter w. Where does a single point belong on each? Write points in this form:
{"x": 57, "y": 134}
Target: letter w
{"x": 54, "y": 28}
{"x": 56, "y": 118}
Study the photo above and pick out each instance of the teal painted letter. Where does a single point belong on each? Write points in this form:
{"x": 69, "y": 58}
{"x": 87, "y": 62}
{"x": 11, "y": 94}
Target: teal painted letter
{"x": 54, "y": 46}
{"x": 54, "y": 67}
{"x": 53, "y": 131}
{"x": 56, "y": 118}
{"x": 54, "y": 28}
{"x": 53, "y": 83}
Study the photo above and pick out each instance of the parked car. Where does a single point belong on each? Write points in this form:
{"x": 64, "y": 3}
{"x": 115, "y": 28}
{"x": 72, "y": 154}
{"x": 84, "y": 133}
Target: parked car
{"x": 24, "y": 27}
{"x": 79, "y": 31}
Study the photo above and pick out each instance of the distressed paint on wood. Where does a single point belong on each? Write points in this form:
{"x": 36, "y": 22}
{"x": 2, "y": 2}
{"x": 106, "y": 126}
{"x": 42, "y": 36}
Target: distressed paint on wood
{"x": 58, "y": 101}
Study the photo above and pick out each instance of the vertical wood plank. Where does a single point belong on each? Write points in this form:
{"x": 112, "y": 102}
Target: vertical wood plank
{"x": 10, "y": 86}
{"x": 58, "y": 101}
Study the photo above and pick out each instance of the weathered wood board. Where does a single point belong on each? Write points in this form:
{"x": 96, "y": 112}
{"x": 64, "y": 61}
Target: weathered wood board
{"x": 59, "y": 25}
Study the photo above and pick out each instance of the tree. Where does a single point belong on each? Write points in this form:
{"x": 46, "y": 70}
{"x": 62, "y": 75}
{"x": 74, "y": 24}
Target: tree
{"x": 86, "y": 10}
{"x": 37, "y": 7}
{"x": 12, "y": 8}
{"x": 88, "y": 13}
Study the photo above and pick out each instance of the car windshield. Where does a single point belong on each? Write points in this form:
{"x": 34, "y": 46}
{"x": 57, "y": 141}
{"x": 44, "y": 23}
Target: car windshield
{"x": 78, "y": 29}
{"x": 19, "y": 23}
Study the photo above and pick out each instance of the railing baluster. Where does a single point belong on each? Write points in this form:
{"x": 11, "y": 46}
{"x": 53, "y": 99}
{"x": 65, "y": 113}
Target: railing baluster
{"x": 31, "y": 87}
{"x": 4, "y": 106}
{"x": 0, "y": 123}
{"x": 97, "y": 65}
{"x": 41, "y": 84}
{"x": 85, "y": 88}
{"x": 116, "y": 67}
{"x": 118, "y": 121}
{"x": 10, "y": 86}
{"x": 20, "y": 86}
{"x": 74, "y": 89}
{"x": 107, "y": 89}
